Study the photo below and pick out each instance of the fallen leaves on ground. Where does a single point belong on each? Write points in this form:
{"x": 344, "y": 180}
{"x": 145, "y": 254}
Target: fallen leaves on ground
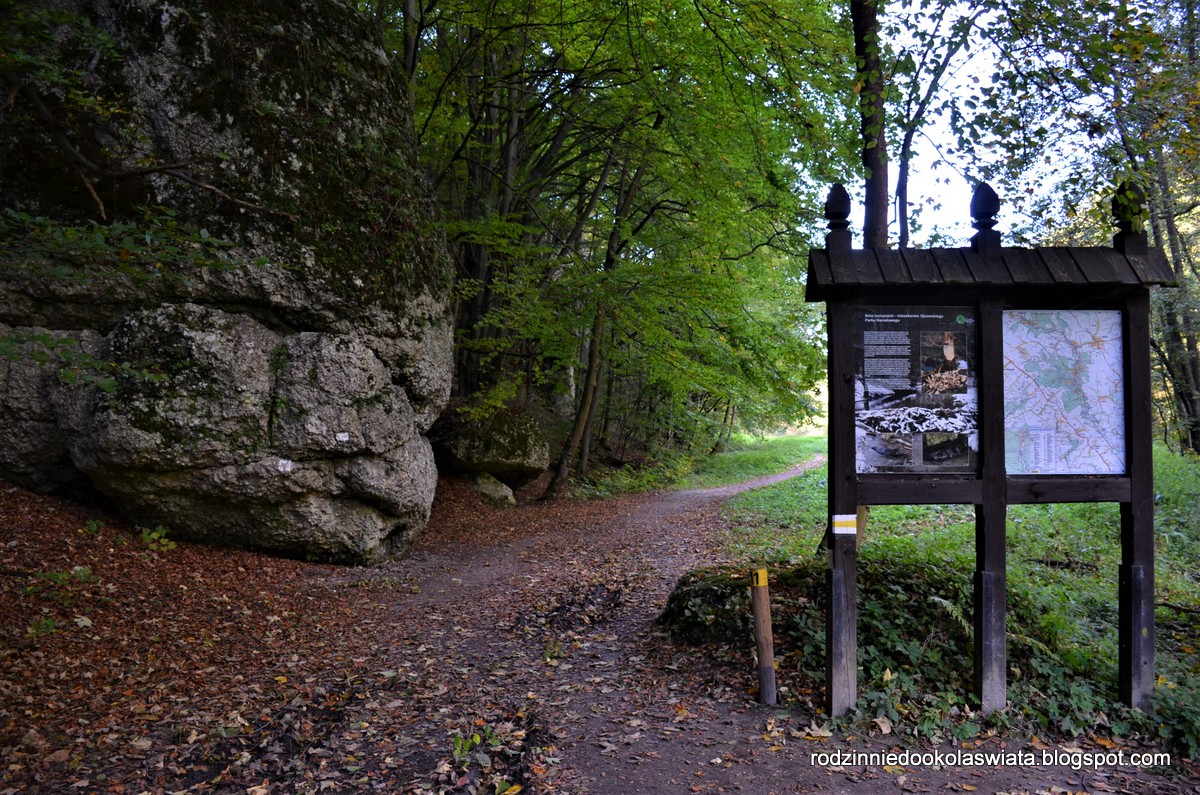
{"x": 513, "y": 651}
{"x": 126, "y": 666}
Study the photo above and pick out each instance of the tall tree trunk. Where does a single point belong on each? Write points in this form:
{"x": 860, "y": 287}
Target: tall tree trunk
{"x": 585, "y": 446}
{"x": 606, "y": 420}
{"x": 413, "y": 18}
{"x": 628, "y": 428}
{"x": 902, "y": 186}
{"x": 630, "y": 187}
{"x": 864, "y": 16}
{"x": 474, "y": 266}
{"x": 595, "y": 357}
{"x": 1180, "y": 351}
{"x": 727, "y": 423}
{"x": 1189, "y": 27}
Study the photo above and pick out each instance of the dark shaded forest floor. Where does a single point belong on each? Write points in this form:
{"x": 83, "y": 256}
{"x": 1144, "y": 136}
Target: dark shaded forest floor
{"x": 513, "y": 650}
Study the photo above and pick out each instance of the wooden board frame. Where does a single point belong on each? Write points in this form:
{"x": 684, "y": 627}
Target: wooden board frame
{"x": 992, "y": 490}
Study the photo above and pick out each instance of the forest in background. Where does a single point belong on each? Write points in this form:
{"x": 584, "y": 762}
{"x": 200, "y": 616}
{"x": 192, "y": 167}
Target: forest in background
{"x": 630, "y": 189}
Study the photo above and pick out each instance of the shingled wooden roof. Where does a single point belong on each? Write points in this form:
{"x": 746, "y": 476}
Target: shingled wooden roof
{"x": 838, "y": 267}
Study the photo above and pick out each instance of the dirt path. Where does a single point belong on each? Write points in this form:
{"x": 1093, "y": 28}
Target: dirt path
{"x": 514, "y": 647}
{"x": 560, "y": 621}
{"x": 553, "y": 617}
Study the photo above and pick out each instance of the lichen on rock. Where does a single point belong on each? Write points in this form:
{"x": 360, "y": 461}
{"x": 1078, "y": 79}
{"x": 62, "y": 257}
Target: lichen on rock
{"x": 274, "y": 393}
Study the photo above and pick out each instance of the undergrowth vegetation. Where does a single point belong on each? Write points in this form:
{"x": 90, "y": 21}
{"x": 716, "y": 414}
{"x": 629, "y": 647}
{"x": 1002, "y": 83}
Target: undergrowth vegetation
{"x": 914, "y": 611}
{"x": 746, "y": 457}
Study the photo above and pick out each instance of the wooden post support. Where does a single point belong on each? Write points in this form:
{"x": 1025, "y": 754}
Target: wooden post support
{"x": 841, "y": 617}
{"x": 990, "y": 647}
{"x": 989, "y": 617}
{"x": 1135, "y": 592}
{"x": 1136, "y": 635}
{"x": 841, "y": 624}
{"x": 764, "y": 640}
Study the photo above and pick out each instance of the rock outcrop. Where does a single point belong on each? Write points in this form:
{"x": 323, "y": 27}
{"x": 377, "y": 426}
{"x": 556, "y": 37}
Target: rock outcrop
{"x": 493, "y": 490}
{"x": 224, "y": 304}
{"x": 508, "y": 445}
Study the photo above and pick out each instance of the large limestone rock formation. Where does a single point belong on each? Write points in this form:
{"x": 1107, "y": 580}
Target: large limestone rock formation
{"x": 271, "y": 393}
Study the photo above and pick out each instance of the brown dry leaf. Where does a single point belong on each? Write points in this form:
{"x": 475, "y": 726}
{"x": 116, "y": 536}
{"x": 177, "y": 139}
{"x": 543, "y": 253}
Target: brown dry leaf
{"x": 815, "y": 732}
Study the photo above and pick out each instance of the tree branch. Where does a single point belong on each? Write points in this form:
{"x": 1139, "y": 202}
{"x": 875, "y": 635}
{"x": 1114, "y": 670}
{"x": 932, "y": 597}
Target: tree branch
{"x": 189, "y": 179}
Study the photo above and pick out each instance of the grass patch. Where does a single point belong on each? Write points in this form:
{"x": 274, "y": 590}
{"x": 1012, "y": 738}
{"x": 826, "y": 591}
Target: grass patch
{"x": 747, "y": 458}
{"x": 753, "y": 458}
{"x": 603, "y": 483}
{"x": 915, "y": 572}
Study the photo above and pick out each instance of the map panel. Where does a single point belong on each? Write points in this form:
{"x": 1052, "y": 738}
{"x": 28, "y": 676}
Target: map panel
{"x": 1064, "y": 405}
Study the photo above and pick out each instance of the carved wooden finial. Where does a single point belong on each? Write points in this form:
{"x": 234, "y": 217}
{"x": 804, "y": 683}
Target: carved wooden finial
{"x": 1129, "y": 210}
{"x": 985, "y": 205}
{"x": 837, "y": 212}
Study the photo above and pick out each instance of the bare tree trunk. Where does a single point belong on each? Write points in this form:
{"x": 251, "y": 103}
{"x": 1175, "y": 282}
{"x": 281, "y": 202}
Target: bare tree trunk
{"x": 630, "y": 187}
{"x": 1189, "y": 26}
{"x": 474, "y": 265}
{"x": 902, "y": 188}
{"x": 864, "y": 15}
{"x": 585, "y": 447}
{"x": 727, "y": 423}
{"x": 606, "y": 421}
{"x": 412, "y": 43}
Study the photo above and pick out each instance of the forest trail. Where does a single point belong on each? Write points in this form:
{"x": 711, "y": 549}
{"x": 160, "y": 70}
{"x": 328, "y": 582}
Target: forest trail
{"x": 554, "y": 616}
{"x": 513, "y": 647}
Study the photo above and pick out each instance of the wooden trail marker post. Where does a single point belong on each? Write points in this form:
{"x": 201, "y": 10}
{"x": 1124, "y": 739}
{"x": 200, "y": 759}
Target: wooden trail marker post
{"x": 989, "y": 376}
{"x": 764, "y": 639}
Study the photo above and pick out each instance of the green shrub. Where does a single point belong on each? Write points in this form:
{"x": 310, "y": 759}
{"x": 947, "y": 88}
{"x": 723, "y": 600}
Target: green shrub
{"x": 156, "y": 539}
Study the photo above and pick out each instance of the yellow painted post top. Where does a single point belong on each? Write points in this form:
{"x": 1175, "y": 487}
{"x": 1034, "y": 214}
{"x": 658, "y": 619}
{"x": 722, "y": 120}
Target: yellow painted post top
{"x": 758, "y": 578}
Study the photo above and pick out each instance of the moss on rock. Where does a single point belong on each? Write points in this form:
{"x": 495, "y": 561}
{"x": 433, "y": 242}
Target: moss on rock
{"x": 275, "y": 139}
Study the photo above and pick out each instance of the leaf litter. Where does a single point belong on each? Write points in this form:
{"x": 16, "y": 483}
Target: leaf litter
{"x": 512, "y": 651}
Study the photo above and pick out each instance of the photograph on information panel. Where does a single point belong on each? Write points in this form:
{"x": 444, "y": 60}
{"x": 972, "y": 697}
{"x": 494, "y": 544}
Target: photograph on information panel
{"x": 915, "y": 392}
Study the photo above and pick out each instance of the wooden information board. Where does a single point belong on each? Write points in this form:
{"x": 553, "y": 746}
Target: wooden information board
{"x": 988, "y": 376}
